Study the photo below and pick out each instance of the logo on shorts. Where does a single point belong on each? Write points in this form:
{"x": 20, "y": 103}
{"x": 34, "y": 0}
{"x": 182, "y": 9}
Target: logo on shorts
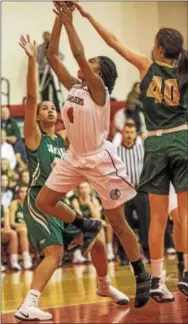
{"x": 115, "y": 194}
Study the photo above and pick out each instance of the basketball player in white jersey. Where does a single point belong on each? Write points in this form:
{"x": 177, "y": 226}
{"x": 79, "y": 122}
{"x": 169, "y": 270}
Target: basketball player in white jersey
{"x": 86, "y": 115}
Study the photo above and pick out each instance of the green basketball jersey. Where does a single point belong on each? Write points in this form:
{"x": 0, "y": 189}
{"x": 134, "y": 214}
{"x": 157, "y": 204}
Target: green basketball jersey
{"x": 161, "y": 98}
{"x": 19, "y": 216}
{"x": 41, "y": 160}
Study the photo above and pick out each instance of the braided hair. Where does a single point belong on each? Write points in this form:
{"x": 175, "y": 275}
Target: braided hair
{"x": 108, "y": 72}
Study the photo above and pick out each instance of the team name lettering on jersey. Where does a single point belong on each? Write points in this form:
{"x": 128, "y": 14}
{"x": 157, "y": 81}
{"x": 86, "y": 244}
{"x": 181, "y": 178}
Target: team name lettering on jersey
{"x": 77, "y": 100}
{"x": 55, "y": 150}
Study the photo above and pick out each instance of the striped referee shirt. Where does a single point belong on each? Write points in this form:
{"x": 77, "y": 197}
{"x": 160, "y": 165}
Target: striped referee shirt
{"x": 133, "y": 158}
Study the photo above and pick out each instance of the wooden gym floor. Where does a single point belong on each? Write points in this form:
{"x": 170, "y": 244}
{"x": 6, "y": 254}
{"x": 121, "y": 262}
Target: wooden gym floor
{"x": 70, "y": 296}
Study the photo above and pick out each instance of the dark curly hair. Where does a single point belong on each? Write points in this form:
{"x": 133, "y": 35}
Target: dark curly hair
{"x": 108, "y": 72}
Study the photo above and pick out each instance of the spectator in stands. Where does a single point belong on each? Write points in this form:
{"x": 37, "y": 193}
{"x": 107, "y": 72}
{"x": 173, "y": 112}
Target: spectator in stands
{"x": 73, "y": 198}
{"x": 10, "y": 126}
{"x": 24, "y": 178}
{"x": 131, "y": 152}
{"x": 7, "y": 194}
{"x": 13, "y": 135}
{"x": 12, "y": 175}
{"x": 8, "y": 236}
{"x": 7, "y": 151}
{"x": 85, "y": 204}
{"x": 132, "y": 110}
{"x": 18, "y": 224}
{"x": 46, "y": 76}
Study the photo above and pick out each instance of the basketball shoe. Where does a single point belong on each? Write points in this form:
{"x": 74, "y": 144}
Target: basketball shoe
{"x": 183, "y": 284}
{"x": 105, "y": 289}
{"x": 159, "y": 291}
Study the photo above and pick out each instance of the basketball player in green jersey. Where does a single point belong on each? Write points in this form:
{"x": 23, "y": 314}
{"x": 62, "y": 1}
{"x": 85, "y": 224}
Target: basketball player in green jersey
{"x": 47, "y": 233}
{"x": 164, "y": 89}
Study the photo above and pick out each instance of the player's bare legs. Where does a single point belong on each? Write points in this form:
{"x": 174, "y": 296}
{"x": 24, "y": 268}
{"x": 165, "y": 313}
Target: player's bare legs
{"x": 100, "y": 262}
{"x": 12, "y": 238}
{"x": 176, "y": 232}
{"x": 53, "y": 257}
{"x": 128, "y": 239}
{"x": 124, "y": 232}
{"x": 30, "y": 310}
{"x": 158, "y": 220}
{"x": 183, "y": 216}
{"x": 24, "y": 246}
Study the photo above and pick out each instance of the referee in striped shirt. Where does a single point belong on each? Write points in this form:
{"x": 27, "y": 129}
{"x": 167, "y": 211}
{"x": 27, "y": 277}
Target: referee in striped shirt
{"x": 131, "y": 152}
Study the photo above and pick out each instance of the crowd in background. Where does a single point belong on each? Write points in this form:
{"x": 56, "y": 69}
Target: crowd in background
{"x": 126, "y": 129}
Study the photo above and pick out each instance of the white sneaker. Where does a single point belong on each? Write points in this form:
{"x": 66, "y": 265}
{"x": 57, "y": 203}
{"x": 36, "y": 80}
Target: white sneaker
{"x": 171, "y": 251}
{"x": 15, "y": 266}
{"x": 183, "y": 284}
{"x": 159, "y": 291}
{"x": 105, "y": 289}
{"x": 27, "y": 264}
{"x": 78, "y": 257}
{"x": 28, "y": 313}
{"x": 110, "y": 255}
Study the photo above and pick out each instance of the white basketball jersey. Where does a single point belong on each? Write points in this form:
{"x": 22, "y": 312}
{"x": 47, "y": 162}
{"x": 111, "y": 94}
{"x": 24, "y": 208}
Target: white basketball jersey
{"x": 86, "y": 123}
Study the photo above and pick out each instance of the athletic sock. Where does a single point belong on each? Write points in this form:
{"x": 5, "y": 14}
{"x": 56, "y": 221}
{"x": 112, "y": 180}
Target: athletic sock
{"x": 180, "y": 264}
{"x": 26, "y": 256}
{"x": 179, "y": 257}
{"x": 32, "y": 298}
{"x": 157, "y": 267}
{"x": 109, "y": 247}
{"x": 13, "y": 258}
{"x": 139, "y": 268}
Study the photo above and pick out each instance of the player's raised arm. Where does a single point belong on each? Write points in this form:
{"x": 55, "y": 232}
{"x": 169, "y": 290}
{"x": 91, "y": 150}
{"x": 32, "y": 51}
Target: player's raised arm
{"x": 32, "y": 132}
{"x": 95, "y": 83}
{"x": 53, "y": 57}
{"x": 140, "y": 61}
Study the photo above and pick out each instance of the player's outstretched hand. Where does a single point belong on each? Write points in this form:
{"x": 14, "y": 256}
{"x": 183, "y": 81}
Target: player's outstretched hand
{"x": 82, "y": 11}
{"x": 29, "y": 47}
{"x": 64, "y": 12}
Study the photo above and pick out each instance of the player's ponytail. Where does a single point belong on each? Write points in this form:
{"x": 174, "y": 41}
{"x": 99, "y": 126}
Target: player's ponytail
{"x": 171, "y": 40}
{"x": 183, "y": 75}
